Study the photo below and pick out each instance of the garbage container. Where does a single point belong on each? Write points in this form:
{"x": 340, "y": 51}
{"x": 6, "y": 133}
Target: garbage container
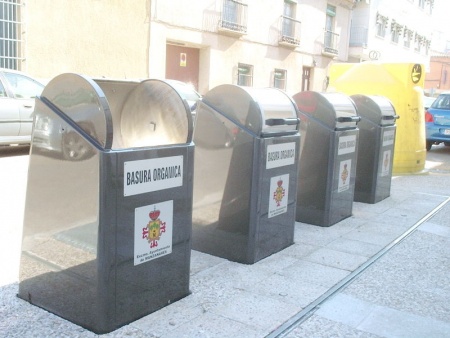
{"x": 328, "y": 151}
{"x": 108, "y": 213}
{"x": 375, "y": 149}
{"x": 246, "y": 154}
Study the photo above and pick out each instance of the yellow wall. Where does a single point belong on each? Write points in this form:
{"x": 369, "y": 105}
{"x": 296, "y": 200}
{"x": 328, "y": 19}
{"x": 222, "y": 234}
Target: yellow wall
{"x": 94, "y": 38}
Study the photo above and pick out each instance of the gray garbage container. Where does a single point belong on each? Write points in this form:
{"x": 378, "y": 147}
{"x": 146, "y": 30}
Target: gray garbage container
{"x": 375, "y": 149}
{"x": 108, "y": 214}
{"x": 246, "y": 154}
{"x": 328, "y": 151}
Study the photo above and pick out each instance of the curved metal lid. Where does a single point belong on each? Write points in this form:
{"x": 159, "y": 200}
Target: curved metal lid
{"x": 255, "y": 109}
{"x": 82, "y": 100}
{"x": 154, "y": 114}
{"x": 375, "y": 108}
{"x": 335, "y": 110}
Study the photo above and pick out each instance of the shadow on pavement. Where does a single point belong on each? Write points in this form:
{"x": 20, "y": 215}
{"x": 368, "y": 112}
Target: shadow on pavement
{"x": 7, "y": 151}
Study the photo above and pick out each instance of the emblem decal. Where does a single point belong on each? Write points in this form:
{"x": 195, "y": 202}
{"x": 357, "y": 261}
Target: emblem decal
{"x": 153, "y": 231}
{"x": 279, "y": 193}
{"x": 344, "y": 175}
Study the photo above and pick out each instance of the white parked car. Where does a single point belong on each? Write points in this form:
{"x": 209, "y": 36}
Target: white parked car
{"x": 17, "y": 94}
{"x": 428, "y": 101}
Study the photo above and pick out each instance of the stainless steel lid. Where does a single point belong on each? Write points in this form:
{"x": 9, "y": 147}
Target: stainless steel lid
{"x": 120, "y": 113}
{"x": 154, "y": 114}
{"x": 262, "y": 111}
{"x": 335, "y": 110}
{"x": 375, "y": 108}
{"x": 82, "y": 100}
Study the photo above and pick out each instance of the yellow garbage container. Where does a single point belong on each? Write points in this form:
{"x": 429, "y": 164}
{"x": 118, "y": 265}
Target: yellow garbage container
{"x": 402, "y": 84}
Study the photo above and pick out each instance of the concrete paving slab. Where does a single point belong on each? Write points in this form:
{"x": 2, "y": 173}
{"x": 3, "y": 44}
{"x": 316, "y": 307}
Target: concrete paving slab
{"x": 371, "y": 237}
{"x": 314, "y": 273}
{"x": 346, "y": 309}
{"x": 211, "y": 325}
{"x": 392, "y": 323}
{"x": 167, "y": 320}
{"x": 355, "y": 247}
{"x": 299, "y": 250}
{"x": 336, "y": 259}
{"x": 317, "y": 326}
{"x": 294, "y": 291}
{"x": 201, "y": 261}
{"x": 437, "y": 229}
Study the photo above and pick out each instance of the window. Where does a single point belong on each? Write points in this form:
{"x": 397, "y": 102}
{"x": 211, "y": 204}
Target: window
{"x": 229, "y": 11}
{"x": 427, "y": 46}
{"x": 10, "y": 32}
{"x": 395, "y": 36}
{"x": 331, "y": 39}
{"x": 289, "y": 26}
{"x": 442, "y": 102}
{"x": 382, "y": 23}
{"x": 396, "y": 31}
{"x": 245, "y": 75}
{"x": 22, "y": 86}
{"x": 417, "y": 42}
{"x": 407, "y": 37}
{"x": 279, "y": 79}
{"x": 2, "y": 90}
{"x": 234, "y": 16}
{"x": 288, "y": 12}
{"x": 430, "y": 6}
{"x": 329, "y": 23}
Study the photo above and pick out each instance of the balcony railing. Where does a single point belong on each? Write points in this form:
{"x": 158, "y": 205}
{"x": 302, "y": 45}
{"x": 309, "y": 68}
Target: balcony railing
{"x": 233, "y": 19}
{"x": 358, "y": 36}
{"x": 289, "y": 31}
{"x": 330, "y": 44}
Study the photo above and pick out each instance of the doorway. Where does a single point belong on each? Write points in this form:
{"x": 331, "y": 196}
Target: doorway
{"x": 306, "y": 78}
{"x": 182, "y": 64}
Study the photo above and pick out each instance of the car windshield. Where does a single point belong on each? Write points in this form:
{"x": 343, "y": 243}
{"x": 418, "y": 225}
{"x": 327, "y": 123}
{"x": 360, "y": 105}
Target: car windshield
{"x": 442, "y": 102}
{"x": 22, "y": 86}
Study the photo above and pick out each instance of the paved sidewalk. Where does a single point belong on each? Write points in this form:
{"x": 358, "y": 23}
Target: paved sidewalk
{"x": 405, "y": 293}
{"x": 405, "y": 288}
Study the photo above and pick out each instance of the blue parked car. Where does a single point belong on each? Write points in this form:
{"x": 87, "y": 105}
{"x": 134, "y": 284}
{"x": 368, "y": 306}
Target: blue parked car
{"x": 437, "y": 121}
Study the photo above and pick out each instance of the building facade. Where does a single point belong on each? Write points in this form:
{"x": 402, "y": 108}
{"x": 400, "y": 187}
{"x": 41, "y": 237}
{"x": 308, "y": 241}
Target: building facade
{"x": 288, "y": 44}
{"x": 391, "y": 31}
{"x": 262, "y": 43}
{"x": 277, "y": 43}
{"x": 438, "y": 79}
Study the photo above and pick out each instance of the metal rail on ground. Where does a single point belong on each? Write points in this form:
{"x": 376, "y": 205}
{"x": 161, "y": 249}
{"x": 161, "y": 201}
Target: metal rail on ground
{"x": 308, "y": 311}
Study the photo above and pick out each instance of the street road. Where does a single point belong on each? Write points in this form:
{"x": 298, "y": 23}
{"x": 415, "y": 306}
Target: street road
{"x": 438, "y": 160}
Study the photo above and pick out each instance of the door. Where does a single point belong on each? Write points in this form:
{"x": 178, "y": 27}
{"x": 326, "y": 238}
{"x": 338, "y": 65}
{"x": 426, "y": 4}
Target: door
{"x": 306, "y": 78}
{"x": 9, "y": 113}
{"x": 22, "y": 91}
{"x": 182, "y": 64}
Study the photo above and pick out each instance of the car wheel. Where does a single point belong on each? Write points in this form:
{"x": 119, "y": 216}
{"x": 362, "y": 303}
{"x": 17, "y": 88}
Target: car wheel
{"x": 428, "y": 146}
{"x": 74, "y": 147}
{"x": 447, "y": 144}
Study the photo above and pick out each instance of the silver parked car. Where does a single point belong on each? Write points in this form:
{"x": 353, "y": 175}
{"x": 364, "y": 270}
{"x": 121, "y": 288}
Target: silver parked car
{"x": 188, "y": 93}
{"x": 17, "y": 93}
